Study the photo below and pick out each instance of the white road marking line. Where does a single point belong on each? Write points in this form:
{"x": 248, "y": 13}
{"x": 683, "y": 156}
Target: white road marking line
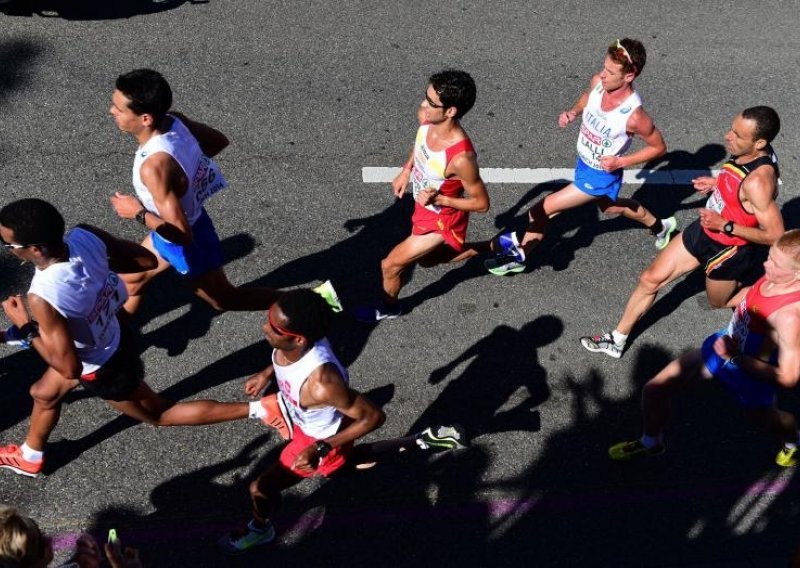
{"x": 553, "y": 175}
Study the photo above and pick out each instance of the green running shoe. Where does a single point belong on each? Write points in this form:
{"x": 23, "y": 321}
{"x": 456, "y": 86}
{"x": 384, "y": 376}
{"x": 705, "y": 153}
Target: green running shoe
{"x": 627, "y": 451}
{"x": 328, "y": 293}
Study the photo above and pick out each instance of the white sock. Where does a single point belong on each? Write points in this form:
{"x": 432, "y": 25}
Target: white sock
{"x": 619, "y": 338}
{"x": 30, "y": 454}
{"x": 257, "y": 411}
{"x": 792, "y": 445}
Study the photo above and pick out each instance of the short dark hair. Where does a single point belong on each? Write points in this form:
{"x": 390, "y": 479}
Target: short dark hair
{"x": 308, "y": 314}
{"x": 34, "y": 221}
{"x": 635, "y": 49}
{"x": 455, "y": 89}
{"x": 768, "y": 123}
{"x": 147, "y": 91}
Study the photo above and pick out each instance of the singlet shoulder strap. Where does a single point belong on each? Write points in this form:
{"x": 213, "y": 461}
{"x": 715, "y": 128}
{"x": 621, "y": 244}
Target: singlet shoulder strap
{"x": 464, "y": 145}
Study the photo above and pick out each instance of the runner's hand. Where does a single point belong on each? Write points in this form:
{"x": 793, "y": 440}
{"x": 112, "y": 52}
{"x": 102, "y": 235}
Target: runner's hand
{"x": 255, "y": 384}
{"x": 427, "y": 196}
{"x": 711, "y": 220}
{"x": 400, "y": 183}
{"x": 14, "y": 308}
{"x": 566, "y": 117}
{"x": 126, "y": 206}
{"x": 87, "y": 553}
{"x": 704, "y": 184}
{"x": 726, "y": 347}
{"x": 610, "y": 163}
{"x": 307, "y": 460}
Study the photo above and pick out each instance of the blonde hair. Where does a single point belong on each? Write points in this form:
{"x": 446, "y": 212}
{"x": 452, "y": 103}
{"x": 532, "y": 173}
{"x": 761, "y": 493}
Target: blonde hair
{"x": 789, "y": 242}
{"x": 21, "y": 540}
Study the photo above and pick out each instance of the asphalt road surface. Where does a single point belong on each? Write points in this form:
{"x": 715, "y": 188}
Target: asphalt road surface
{"x": 309, "y": 94}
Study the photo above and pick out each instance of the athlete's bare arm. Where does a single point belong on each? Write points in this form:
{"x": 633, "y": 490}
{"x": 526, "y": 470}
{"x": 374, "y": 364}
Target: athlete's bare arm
{"x": 759, "y": 190}
{"x": 256, "y": 383}
{"x": 464, "y": 166}
{"x": 577, "y": 109}
{"x": 325, "y": 387}
{"x": 124, "y": 257}
{"x": 639, "y": 124}
{"x": 211, "y": 140}
{"x": 54, "y": 343}
{"x": 400, "y": 182}
{"x": 165, "y": 179}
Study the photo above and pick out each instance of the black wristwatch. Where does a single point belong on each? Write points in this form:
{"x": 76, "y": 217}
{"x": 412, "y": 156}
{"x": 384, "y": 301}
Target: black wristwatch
{"x": 728, "y": 228}
{"x": 323, "y": 448}
{"x": 140, "y": 216}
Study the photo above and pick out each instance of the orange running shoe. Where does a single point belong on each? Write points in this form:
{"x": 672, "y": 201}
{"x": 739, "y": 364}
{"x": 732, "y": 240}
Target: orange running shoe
{"x": 277, "y": 415}
{"x": 11, "y": 458}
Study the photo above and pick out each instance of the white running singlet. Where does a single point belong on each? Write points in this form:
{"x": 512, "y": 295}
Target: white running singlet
{"x": 87, "y": 294}
{"x": 604, "y": 133}
{"x": 317, "y": 423}
{"x": 205, "y": 178}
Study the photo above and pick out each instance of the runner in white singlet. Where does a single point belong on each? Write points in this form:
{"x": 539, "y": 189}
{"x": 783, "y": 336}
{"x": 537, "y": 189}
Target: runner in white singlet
{"x": 173, "y": 174}
{"x": 611, "y": 115}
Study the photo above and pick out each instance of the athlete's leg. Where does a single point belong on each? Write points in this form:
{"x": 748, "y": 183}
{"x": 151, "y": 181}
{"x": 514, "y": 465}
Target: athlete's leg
{"x": 629, "y": 208}
{"x": 720, "y": 292}
{"x": 659, "y": 391}
{"x": 266, "y": 490}
{"x": 47, "y": 394}
{"x": 671, "y": 263}
{"x": 775, "y": 422}
{"x": 215, "y": 288}
{"x": 539, "y": 215}
{"x": 445, "y": 254}
{"x": 149, "y": 407}
{"x": 409, "y": 251}
{"x": 137, "y": 282}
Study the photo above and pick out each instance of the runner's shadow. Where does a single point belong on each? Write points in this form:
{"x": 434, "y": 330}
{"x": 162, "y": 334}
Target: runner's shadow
{"x": 504, "y": 373}
{"x": 91, "y": 10}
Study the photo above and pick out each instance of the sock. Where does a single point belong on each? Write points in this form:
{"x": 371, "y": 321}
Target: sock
{"x": 657, "y": 228}
{"x": 30, "y": 454}
{"x": 792, "y": 445}
{"x": 258, "y": 526}
{"x": 257, "y": 410}
{"x": 619, "y": 338}
{"x": 650, "y": 442}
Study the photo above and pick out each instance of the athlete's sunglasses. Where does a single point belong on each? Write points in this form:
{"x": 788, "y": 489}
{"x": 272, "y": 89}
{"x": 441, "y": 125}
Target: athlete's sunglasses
{"x": 431, "y": 103}
{"x": 11, "y": 246}
{"x": 619, "y": 47}
{"x": 278, "y": 330}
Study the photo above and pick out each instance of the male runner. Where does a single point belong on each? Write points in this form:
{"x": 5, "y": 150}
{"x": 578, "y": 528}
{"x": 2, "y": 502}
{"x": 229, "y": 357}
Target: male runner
{"x": 323, "y": 416}
{"x": 739, "y": 218}
{"x": 757, "y": 353}
{"x": 316, "y": 410}
{"x": 443, "y": 171}
{"x": 73, "y": 299}
{"x": 172, "y": 177}
{"x": 612, "y": 115}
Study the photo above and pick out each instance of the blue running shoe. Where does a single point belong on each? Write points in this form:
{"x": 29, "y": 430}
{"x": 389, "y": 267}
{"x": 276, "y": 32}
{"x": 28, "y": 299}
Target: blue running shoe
{"x": 509, "y": 246}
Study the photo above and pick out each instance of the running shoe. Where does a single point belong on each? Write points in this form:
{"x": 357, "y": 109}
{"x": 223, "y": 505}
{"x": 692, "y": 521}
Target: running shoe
{"x": 374, "y": 314}
{"x": 603, "y": 344}
{"x": 277, "y": 416}
{"x": 443, "y": 437}
{"x": 329, "y": 294}
{"x": 787, "y": 457}
{"x": 240, "y": 541}
{"x": 670, "y": 226}
{"x": 11, "y": 458}
{"x": 509, "y": 245}
{"x": 502, "y": 265}
{"x": 627, "y": 451}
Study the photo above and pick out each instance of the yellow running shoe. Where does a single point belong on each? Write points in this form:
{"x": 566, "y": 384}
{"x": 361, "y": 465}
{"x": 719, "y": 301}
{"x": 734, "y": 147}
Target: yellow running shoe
{"x": 328, "y": 293}
{"x": 787, "y": 457}
{"x": 627, "y": 451}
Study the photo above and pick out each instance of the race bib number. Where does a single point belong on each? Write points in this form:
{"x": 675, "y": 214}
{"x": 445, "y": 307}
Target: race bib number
{"x": 108, "y": 302}
{"x": 715, "y": 202}
{"x": 208, "y": 180}
{"x": 419, "y": 183}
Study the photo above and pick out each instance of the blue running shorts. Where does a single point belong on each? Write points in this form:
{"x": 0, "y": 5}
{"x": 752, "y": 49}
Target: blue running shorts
{"x": 203, "y": 255}
{"x": 749, "y": 393}
{"x": 597, "y": 182}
